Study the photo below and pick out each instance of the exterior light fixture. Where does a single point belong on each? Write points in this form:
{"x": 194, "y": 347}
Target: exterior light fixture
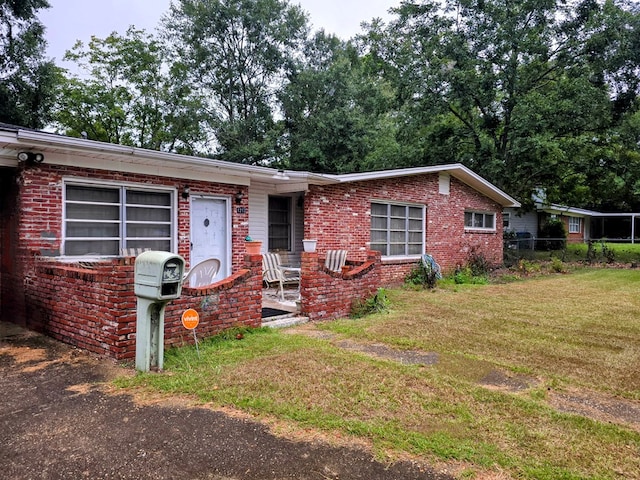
{"x": 281, "y": 175}
{"x": 30, "y": 157}
{"x": 185, "y": 191}
{"x": 239, "y": 196}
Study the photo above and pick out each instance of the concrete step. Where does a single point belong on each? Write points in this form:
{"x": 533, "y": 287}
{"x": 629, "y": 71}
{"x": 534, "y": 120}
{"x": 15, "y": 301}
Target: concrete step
{"x": 284, "y": 321}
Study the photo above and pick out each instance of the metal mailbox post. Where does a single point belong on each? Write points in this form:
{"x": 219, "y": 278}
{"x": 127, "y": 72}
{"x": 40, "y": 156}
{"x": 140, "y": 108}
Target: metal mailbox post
{"x": 157, "y": 281}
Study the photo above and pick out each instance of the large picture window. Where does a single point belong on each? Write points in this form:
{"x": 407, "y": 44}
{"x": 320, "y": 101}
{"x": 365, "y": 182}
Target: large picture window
{"x": 396, "y": 229}
{"x": 103, "y": 220}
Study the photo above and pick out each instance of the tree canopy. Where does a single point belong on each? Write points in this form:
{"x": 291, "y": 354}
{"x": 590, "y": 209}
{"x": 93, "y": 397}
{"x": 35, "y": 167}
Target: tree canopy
{"x": 529, "y": 94}
{"x": 27, "y": 80}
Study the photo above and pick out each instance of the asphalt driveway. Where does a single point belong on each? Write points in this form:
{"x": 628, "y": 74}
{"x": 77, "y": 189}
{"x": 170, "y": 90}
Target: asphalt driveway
{"x": 61, "y": 419}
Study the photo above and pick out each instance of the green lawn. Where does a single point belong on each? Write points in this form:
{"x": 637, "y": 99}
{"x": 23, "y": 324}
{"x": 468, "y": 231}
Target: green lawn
{"x": 577, "y": 252}
{"x": 572, "y": 334}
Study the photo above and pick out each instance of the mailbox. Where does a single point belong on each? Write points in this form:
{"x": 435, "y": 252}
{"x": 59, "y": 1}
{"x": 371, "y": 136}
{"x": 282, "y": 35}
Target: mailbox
{"x": 158, "y": 275}
{"x": 157, "y": 280}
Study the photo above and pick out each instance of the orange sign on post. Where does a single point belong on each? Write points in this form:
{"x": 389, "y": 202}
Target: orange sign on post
{"x": 190, "y": 319}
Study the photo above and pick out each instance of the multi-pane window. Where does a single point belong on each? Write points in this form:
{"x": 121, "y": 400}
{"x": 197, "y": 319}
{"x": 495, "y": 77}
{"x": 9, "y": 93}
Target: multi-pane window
{"x": 506, "y": 221}
{"x": 574, "y": 224}
{"x": 397, "y": 229}
{"x": 103, "y": 220}
{"x": 480, "y": 220}
{"x": 280, "y": 223}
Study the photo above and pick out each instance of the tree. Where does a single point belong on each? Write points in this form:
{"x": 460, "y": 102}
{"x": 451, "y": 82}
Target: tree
{"x": 27, "y": 80}
{"x": 131, "y": 95}
{"x": 237, "y": 53}
{"x": 335, "y": 113}
{"x": 517, "y": 90}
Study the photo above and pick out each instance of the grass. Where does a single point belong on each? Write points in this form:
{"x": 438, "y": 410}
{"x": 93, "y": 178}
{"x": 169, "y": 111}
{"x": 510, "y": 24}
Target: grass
{"x": 603, "y": 252}
{"x": 577, "y": 331}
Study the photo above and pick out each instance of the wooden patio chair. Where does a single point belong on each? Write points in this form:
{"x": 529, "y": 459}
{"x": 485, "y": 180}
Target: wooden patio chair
{"x": 202, "y": 274}
{"x": 336, "y": 259}
{"x": 273, "y": 273}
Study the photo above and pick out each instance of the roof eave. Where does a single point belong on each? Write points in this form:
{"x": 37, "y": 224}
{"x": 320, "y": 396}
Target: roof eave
{"x": 456, "y": 170}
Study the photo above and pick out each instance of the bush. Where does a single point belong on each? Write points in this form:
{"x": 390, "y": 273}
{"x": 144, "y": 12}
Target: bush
{"x": 557, "y": 265}
{"x": 425, "y": 274}
{"x": 478, "y": 264}
{"x": 465, "y": 275}
{"x": 377, "y": 304}
{"x": 553, "y": 229}
{"x": 608, "y": 253}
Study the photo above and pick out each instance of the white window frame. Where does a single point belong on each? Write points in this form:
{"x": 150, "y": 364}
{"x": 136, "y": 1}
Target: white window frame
{"x": 506, "y": 220}
{"x": 479, "y": 217}
{"x": 123, "y": 187}
{"x": 388, "y": 244}
{"x": 575, "y": 224}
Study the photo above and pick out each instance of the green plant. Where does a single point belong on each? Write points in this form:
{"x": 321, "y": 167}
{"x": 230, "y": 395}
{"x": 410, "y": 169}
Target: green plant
{"x": 557, "y": 265}
{"x": 478, "y": 263}
{"x": 423, "y": 274}
{"x": 608, "y": 253}
{"x": 464, "y": 275}
{"x": 526, "y": 267}
{"x": 376, "y": 304}
{"x": 553, "y": 230}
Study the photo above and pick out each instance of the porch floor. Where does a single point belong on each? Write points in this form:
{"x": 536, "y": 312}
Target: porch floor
{"x": 271, "y": 299}
{"x": 289, "y": 307}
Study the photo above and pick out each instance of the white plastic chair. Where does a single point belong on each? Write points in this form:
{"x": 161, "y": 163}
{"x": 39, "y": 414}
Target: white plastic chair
{"x": 202, "y": 274}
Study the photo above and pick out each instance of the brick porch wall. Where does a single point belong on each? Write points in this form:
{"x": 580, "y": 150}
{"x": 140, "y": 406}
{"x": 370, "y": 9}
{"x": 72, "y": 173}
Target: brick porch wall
{"x": 328, "y": 295}
{"x": 339, "y": 217}
{"x": 93, "y": 306}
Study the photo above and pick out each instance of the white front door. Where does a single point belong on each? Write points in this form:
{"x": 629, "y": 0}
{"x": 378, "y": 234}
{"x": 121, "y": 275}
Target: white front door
{"x": 210, "y": 232}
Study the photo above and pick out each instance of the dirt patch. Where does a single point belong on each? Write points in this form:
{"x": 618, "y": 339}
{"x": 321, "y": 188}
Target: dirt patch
{"x": 406, "y": 357}
{"x": 597, "y": 406}
{"x": 499, "y": 380}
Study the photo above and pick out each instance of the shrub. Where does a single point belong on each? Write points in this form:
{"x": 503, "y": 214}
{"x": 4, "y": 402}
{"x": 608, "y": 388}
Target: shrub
{"x": 375, "y": 304}
{"x": 423, "y": 274}
{"x": 557, "y": 265}
{"x": 526, "y": 267}
{"x": 465, "y": 275}
{"x": 554, "y": 230}
{"x": 478, "y": 263}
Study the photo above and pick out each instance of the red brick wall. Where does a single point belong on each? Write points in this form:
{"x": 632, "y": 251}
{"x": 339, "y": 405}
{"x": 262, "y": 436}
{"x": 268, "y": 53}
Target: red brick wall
{"x": 46, "y": 294}
{"x": 93, "y": 306}
{"x": 40, "y": 202}
{"x": 327, "y": 295}
{"x": 339, "y": 217}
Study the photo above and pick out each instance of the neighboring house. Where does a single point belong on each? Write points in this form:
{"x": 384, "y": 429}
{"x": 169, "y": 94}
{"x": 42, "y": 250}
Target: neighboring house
{"x": 73, "y": 210}
{"x": 580, "y": 225}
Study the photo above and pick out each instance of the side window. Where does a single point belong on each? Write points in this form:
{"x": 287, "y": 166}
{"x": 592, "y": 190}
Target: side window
{"x": 479, "y": 220}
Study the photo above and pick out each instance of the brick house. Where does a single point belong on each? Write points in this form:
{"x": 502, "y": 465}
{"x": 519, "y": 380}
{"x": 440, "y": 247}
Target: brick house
{"x": 580, "y": 225}
{"x": 72, "y": 209}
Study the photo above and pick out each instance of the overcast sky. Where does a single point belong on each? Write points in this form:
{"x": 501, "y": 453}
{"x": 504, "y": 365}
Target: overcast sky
{"x": 70, "y": 20}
